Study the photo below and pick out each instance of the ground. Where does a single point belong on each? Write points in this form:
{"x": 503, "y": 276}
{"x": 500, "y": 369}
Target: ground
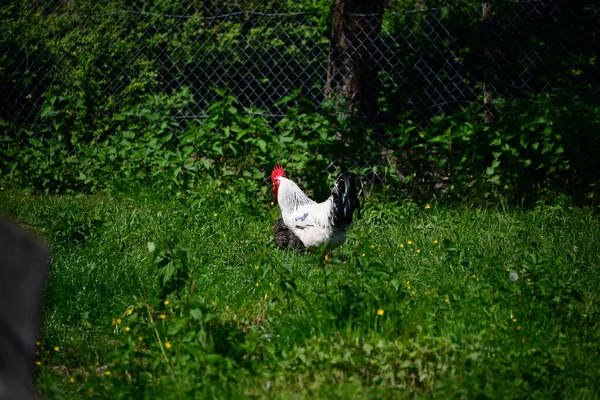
{"x": 170, "y": 298}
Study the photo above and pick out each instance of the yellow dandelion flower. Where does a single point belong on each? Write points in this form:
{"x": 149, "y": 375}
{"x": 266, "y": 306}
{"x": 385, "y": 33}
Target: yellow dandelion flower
{"x": 129, "y": 311}
{"x": 257, "y": 267}
{"x": 413, "y": 292}
{"x": 435, "y": 242}
{"x": 38, "y": 343}
{"x": 162, "y": 316}
{"x": 56, "y": 348}
{"x": 118, "y": 321}
{"x": 418, "y": 251}
{"x": 402, "y": 245}
{"x": 272, "y": 203}
{"x": 407, "y": 283}
{"x": 127, "y": 329}
{"x": 447, "y": 300}
{"x": 166, "y": 302}
{"x": 202, "y": 23}
{"x": 409, "y": 242}
{"x": 514, "y": 320}
{"x": 107, "y": 373}
{"x": 380, "y": 311}
{"x": 215, "y": 215}
{"x": 167, "y": 345}
{"x": 427, "y": 206}
{"x": 140, "y": 338}
{"x": 72, "y": 380}
{"x": 372, "y": 246}
{"x": 257, "y": 284}
{"x": 270, "y": 283}
{"x": 38, "y": 363}
{"x": 473, "y": 276}
{"x": 363, "y": 255}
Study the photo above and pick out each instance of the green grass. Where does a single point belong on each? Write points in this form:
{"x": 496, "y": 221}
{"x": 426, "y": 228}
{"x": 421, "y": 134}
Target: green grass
{"x": 245, "y": 319}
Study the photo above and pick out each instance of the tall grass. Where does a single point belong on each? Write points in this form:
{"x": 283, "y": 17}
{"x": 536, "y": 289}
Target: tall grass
{"x": 157, "y": 298}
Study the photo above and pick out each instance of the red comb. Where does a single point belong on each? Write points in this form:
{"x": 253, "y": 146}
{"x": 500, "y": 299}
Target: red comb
{"x": 277, "y": 172}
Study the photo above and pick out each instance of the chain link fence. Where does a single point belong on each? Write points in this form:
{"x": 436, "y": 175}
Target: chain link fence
{"x": 432, "y": 57}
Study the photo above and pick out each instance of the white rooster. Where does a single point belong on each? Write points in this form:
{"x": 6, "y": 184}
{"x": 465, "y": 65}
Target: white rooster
{"x": 316, "y": 224}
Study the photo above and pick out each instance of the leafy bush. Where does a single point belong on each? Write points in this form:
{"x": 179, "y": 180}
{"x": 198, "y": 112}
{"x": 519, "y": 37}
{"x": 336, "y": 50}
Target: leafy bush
{"x": 534, "y": 148}
{"x": 116, "y": 99}
{"x": 232, "y": 147}
{"x": 531, "y": 150}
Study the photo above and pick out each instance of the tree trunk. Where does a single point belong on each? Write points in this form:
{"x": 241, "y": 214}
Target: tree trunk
{"x": 488, "y": 73}
{"x": 353, "y": 67}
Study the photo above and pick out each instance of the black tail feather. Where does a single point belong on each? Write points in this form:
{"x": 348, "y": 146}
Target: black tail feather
{"x": 346, "y": 191}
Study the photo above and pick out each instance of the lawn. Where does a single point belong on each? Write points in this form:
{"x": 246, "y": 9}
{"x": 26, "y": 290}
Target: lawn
{"x": 152, "y": 297}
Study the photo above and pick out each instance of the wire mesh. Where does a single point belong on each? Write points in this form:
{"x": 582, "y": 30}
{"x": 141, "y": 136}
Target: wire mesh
{"x": 429, "y": 56}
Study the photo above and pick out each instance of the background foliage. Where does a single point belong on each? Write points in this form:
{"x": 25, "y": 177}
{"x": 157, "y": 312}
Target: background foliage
{"x": 97, "y": 95}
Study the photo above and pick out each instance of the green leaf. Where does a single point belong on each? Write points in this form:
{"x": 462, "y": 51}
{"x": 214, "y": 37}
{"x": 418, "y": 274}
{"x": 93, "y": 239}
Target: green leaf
{"x": 495, "y": 179}
{"x": 438, "y": 139}
{"x": 167, "y": 271}
{"x": 196, "y": 313}
{"x": 217, "y": 148}
{"x": 47, "y": 108}
{"x": 496, "y": 142}
{"x": 205, "y": 163}
{"x": 262, "y": 145}
{"x": 287, "y": 98}
{"x": 151, "y": 246}
{"x": 523, "y": 141}
{"x": 240, "y": 135}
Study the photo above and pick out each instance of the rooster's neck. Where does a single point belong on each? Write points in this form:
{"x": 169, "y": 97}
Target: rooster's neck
{"x": 290, "y": 197}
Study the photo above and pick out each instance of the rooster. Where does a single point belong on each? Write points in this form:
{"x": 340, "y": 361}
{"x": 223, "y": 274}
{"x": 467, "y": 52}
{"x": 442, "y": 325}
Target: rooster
{"x": 311, "y": 223}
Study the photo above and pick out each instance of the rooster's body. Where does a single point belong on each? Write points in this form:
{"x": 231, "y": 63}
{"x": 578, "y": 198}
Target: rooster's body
{"x": 316, "y": 224}
{"x": 284, "y": 237}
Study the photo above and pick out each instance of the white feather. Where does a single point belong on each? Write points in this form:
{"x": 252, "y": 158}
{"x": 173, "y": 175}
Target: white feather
{"x": 312, "y": 222}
